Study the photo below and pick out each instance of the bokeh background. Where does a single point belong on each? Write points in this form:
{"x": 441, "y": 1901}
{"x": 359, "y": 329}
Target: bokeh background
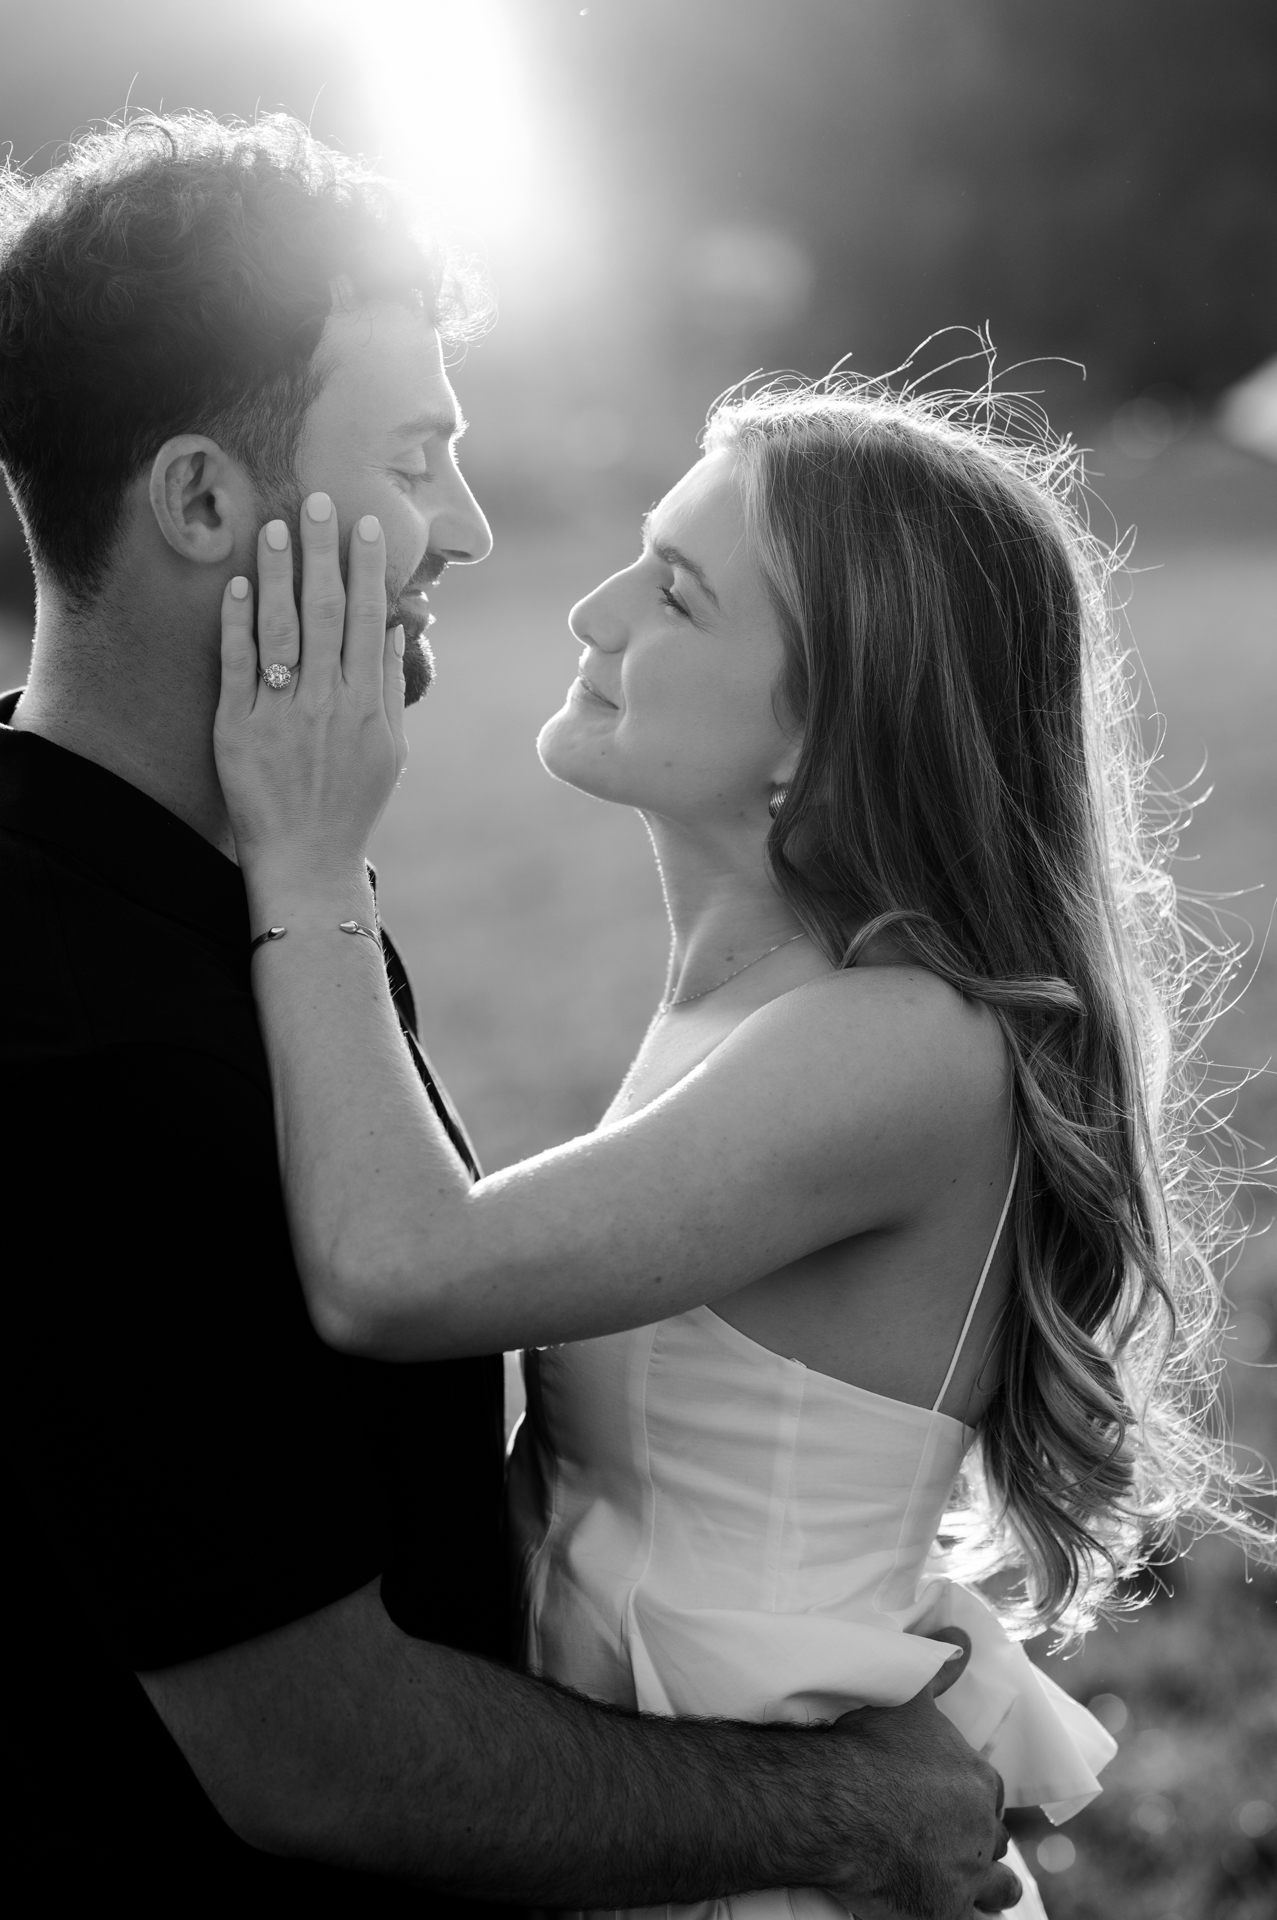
{"x": 668, "y": 195}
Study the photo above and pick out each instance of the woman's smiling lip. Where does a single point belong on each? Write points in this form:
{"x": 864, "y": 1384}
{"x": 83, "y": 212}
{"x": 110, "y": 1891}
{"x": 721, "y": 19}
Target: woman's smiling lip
{"x": 593, "y": 693}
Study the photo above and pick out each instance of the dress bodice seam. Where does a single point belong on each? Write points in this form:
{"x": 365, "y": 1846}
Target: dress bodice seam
{"x": 649, "y": 1485}
{"x": 782, "y": 1550}
{"x": 921, "y": 1478}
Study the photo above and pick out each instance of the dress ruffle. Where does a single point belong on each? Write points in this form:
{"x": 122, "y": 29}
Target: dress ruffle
{"x": 754, "y": 1665}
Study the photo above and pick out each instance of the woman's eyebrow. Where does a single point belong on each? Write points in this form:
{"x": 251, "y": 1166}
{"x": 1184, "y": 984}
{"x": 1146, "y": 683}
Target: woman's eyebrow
{"x": 675, "y": 557}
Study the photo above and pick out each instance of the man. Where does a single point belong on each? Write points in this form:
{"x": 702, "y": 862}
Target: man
{"x": 257, "y": 1603}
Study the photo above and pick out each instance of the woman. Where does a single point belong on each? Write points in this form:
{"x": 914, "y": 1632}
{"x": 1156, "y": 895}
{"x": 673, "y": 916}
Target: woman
{"x": 891, "y": 1217}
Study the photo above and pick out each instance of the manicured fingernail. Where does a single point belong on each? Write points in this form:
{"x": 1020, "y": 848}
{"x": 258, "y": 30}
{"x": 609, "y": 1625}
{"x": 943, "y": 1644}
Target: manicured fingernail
{"x": 399, "y": 641}
{"x": 369, "y": 527}
{"x": 239, "y": 587}
{"x": 276, "y": 535}
{"x": 319, "y": 508}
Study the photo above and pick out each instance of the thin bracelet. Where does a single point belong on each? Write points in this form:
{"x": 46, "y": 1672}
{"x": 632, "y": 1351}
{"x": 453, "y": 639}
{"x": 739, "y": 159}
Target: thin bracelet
{"x": 343, "y": 926}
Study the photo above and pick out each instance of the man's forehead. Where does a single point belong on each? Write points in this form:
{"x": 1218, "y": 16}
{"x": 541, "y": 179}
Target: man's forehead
{"x": 385, "y": 372}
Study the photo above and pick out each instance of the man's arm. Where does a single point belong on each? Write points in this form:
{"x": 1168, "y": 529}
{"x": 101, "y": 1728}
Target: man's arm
{"x": 339, "y": 1739}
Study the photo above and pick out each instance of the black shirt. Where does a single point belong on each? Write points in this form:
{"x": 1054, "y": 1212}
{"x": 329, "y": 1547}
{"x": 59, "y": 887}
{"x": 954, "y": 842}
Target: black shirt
{"x": 187, "y": 1464}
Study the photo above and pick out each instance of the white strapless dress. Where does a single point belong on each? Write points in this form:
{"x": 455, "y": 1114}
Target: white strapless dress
{"x": 706, "y": 1527}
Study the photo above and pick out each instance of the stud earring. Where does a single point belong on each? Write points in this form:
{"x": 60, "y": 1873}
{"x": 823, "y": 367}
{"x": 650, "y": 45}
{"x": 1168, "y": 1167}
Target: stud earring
{"x": 777, "y": 801}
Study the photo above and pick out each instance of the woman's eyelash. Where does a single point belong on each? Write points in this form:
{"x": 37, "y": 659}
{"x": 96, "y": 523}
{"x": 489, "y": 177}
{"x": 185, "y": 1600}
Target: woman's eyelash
{"x": 671, "y": 600}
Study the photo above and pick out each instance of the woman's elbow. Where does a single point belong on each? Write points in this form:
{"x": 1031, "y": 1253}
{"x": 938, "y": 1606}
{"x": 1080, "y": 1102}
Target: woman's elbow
{"x": 370, "y": 1315}
{"x": 347, "y": 1328}
{"x": 346, "y": 1305}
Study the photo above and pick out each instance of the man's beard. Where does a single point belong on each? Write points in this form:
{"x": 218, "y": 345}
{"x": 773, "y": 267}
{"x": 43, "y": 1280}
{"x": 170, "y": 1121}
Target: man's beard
{"x": 407, "y": 607}
{"x": 418, "y": 668}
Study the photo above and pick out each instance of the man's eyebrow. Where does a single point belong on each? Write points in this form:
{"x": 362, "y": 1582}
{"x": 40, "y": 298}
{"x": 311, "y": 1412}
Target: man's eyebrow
{"x": 675, "y": 557}
{"x": 448, "y": 426}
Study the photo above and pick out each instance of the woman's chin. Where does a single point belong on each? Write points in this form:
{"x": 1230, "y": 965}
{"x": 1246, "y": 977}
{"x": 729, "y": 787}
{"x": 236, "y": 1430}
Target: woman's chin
{"x": 568, "y": 756}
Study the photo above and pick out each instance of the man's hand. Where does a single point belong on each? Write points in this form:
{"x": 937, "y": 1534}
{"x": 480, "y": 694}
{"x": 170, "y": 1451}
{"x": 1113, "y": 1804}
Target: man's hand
{"x": 937, "y": 1858}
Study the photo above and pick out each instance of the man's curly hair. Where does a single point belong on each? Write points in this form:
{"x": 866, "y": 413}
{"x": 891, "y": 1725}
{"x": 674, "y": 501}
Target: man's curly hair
{"x": 173, "y": 274}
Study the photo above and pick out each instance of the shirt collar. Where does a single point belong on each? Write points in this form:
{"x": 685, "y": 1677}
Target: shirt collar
{"x": 121, "y": 836}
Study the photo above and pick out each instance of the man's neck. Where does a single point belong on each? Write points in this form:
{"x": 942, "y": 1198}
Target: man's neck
{"x": 135, "y": 699}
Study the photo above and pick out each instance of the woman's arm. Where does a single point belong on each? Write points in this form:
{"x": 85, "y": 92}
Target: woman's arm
{"x": 815, "y": 1120}
{"x": 826, "y": 1114}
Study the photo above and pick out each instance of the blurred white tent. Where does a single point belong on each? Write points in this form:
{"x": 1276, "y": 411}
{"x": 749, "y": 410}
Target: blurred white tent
{"x": 1248, "y": 412}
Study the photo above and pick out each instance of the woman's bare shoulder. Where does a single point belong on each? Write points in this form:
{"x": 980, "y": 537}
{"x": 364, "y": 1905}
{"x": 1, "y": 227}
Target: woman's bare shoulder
{"x": 897, "y": 1005}
{"x": 897, "y": 1039}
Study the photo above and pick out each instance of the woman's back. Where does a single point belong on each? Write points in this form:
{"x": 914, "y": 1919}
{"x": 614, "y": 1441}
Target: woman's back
{"x": 708, "y": 1527}
{"x": 710, "y": 1522}
{"x": 681, "y": 1467}
{"x": 880, "y": 1310}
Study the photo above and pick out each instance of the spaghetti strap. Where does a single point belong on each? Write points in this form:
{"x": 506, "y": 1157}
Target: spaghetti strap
{"x": 979, "y": 1285}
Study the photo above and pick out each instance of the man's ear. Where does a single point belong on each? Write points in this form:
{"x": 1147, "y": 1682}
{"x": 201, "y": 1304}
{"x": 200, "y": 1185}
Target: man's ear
{"x": 201, "y": 498}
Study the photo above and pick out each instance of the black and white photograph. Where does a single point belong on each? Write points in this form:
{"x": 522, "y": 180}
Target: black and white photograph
{"x": 638, "y": 855}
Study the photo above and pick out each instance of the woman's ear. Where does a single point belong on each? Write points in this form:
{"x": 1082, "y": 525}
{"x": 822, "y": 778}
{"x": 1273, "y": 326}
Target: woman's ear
{"x": 787, "y": 766}
{"x": 199, "y": 497}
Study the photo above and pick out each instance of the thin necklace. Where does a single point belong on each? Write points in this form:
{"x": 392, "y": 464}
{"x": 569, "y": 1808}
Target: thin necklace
{"x": 681, "y": 999}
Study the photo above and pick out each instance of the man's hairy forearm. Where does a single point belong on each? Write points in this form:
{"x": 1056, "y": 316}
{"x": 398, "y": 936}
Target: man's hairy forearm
{"x": 562, "y": 1803}
{"x": 340, "y": 1739}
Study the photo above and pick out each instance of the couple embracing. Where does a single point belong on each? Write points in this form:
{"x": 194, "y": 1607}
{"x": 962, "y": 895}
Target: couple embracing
{"x": 867, "y": 1280}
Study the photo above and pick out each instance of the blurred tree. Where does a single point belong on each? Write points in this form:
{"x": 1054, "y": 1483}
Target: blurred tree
{"x": 1097, "y": 181}
{"x": 1118, "y": 170}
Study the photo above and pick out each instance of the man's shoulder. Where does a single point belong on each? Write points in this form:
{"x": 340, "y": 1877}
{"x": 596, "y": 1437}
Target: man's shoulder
{"x": 85, "y": 968}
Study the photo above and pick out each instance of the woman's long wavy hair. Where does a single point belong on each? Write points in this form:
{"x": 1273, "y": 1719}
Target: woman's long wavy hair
{"x": 972, "y": 784}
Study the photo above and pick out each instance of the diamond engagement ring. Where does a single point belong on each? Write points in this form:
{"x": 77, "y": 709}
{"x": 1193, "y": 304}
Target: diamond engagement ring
{"x": 276, "y": 675}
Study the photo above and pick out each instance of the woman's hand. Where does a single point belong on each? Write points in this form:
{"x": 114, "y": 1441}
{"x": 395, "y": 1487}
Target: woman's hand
{"x": 307, "y": 768}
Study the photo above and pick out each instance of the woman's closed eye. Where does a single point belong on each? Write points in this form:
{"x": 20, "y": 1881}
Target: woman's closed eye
{"x": 672, "y": 601}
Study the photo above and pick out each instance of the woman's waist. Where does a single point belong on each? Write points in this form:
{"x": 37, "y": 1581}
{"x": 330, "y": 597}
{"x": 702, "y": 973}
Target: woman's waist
{"x": 602, "y": 1558}
{"x": 703, "y": 1545}
{"x": 605, "y": 1615}
{"x": 646, "y": 1648}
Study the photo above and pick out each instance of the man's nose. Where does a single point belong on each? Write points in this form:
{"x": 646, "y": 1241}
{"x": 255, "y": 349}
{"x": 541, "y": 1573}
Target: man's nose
{"x": 460, "y": 529}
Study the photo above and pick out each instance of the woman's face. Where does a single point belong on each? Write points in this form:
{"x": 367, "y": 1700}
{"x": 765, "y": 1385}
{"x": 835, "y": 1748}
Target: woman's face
{"x": 674, "y": 707}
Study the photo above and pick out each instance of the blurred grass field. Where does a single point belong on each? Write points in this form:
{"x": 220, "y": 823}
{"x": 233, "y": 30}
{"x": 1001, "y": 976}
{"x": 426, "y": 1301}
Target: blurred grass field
{"x": 533, "y": 927}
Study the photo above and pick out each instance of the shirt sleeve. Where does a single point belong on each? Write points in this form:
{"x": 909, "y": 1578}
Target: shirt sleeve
{"x": 192, "y": 1452}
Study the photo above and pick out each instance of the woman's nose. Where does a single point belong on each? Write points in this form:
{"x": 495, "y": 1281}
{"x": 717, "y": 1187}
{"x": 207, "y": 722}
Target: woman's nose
{"x": 596, "y": 620}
